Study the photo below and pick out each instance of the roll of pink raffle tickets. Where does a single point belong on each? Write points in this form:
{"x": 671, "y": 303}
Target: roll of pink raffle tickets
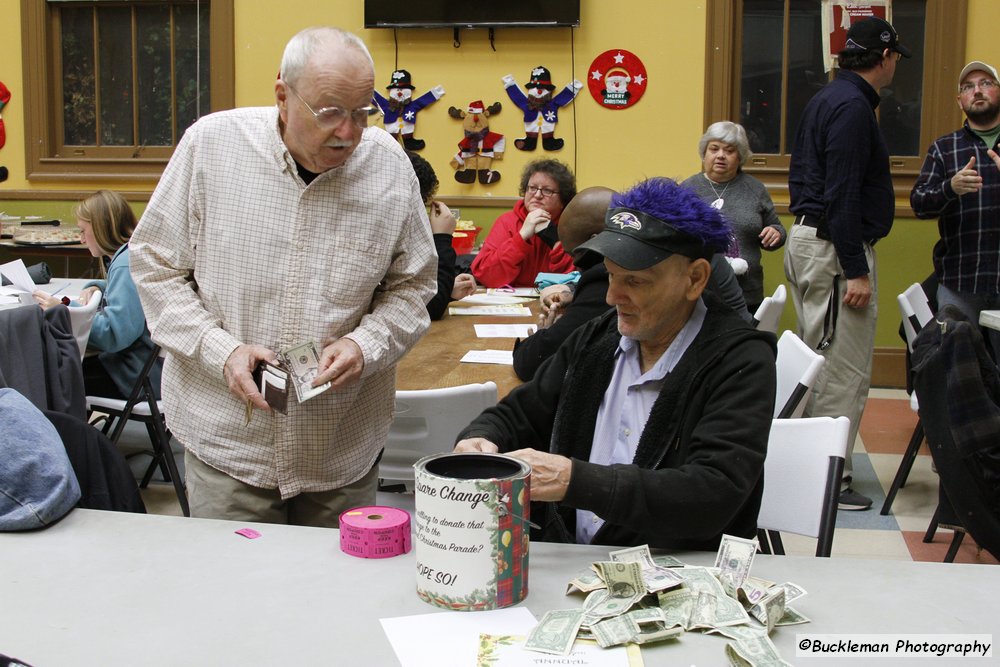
{"x": 375, "y": 532}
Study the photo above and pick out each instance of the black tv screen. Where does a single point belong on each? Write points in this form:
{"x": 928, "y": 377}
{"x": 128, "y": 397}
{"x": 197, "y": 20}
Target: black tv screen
{"x": 471, "y": 13}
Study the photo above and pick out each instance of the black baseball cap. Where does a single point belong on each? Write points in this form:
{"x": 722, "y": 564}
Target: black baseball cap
{"x": 637, "y": 241}
{"x": 874, "y": 34}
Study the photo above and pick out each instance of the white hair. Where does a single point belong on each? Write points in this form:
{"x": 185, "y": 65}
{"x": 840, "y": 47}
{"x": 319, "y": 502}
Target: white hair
{"x": 303, "y": 47}
{"x": 727, "y": 132}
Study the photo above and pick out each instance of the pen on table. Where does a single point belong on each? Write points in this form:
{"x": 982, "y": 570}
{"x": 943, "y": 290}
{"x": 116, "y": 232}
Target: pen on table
{"x": 65, "y": 285}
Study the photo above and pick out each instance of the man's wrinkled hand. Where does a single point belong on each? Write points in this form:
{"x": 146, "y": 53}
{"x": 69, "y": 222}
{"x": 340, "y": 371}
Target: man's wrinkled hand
{"x": 476, "y": 445}
{"x": 238, "y": 372}
{"x": 340, "y": 364}
{"x": 550, "y": 474}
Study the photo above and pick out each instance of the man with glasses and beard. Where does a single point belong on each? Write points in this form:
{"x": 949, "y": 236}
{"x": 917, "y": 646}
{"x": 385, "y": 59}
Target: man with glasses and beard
{"x": 272, "y": 227}
{"x": 959, "y": 185}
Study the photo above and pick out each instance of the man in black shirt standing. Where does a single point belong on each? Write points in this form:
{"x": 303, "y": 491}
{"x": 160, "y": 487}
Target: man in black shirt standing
{"x": 842, "y": 198}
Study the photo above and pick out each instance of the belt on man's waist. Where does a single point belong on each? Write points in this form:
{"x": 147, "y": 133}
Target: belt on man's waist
{"x": 819, "y": 224}
{"x": 822, "y": 230}
{"x": 809, "y": 221}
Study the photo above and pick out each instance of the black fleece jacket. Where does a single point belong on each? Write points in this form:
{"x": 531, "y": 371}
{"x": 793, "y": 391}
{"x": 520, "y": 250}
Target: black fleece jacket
{"x": 589, "y": 301}
{"x": 698, "y": 468}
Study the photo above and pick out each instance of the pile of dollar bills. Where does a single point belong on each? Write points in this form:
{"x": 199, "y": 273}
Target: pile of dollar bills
{"x": 635, "y": 597}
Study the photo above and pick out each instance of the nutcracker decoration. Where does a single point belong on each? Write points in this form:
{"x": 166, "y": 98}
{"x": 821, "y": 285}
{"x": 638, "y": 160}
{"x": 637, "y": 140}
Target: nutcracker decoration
{"x": 479, "y": 147}
{"x": 541, "y": 109}
{"x": 400, "y": 109}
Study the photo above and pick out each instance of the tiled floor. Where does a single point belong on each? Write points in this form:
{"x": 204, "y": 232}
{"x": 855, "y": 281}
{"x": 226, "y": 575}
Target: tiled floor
{"x": 885, "y": 432}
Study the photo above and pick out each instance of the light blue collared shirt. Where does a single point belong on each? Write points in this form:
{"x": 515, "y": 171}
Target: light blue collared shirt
{"x": 627, "y": 403}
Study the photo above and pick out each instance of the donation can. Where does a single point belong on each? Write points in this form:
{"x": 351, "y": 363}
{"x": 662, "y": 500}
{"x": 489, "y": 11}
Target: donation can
{"x": 472, "y": 530}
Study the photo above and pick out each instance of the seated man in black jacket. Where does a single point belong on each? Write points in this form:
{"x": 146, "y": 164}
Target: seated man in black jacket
{"x": 650, "y": 424}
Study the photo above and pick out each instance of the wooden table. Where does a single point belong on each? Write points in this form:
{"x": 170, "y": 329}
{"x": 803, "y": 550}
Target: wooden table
{"x": 434, "y": 362}
{"x": 66, "y": 252}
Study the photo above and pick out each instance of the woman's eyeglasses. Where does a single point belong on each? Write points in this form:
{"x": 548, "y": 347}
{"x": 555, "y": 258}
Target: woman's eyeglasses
{"x": 538, "y": 190}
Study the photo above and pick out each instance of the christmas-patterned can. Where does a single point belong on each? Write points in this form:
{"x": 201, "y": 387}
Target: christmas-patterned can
{"x": 472, "y": 530}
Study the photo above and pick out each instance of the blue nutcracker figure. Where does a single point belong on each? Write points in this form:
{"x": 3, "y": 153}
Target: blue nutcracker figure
{"x": 541, "y": 109}
{"x": 400, "y": 109}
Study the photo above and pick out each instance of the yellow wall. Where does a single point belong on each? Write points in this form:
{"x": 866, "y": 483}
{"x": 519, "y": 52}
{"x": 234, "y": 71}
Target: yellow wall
{"x": 657, "y": 136}
{"x": 981, "y": 41}
{"x": 617, "y": 148}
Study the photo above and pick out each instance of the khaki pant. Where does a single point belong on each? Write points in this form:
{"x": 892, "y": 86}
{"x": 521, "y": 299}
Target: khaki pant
{"x": 213, "y": 494}
{"x": 814, "y": 272}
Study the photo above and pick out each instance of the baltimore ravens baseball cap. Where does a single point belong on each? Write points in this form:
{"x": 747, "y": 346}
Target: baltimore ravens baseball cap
{"x": 636, "y": 241}
{"x": 874, "y": 34}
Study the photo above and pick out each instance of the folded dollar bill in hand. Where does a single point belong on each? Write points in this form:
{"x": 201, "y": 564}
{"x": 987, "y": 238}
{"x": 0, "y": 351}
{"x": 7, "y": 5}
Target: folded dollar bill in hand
{"x": 302, "y": 363}
{"x": 296, "y": 367}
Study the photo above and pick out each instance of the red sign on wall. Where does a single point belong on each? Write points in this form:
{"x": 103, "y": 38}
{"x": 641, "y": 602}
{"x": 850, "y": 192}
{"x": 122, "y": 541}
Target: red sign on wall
{"x": 837, "y": 17}
{"x": 617, "y": 79}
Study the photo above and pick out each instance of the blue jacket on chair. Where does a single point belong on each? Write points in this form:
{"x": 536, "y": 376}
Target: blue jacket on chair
{"x": 37, "y": 483}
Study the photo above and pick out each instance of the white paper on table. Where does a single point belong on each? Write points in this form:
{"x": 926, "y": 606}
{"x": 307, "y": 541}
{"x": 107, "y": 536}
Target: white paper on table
{"x": 505, "y": 330}
{"x": 17, "y": 273}
{"x": 58, "y": 287}
{"x": 502, "y": 357}
{"x": 497, "y": 311}
{"x": 507, "y": 651}
{"x": 53, "y": 289}
{"x": 530, "y": 292}
{"x": 495, "y": 299}
{"x": 451, "y": 637}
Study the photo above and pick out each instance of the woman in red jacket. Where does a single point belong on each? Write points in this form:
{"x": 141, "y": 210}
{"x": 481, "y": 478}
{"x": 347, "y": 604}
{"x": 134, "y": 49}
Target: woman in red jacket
{"x": 523, "y": 242}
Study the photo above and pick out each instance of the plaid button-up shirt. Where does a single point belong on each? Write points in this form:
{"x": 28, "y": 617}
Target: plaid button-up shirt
{"x": 967, "y": 258}
{"x": 235, "y": 248}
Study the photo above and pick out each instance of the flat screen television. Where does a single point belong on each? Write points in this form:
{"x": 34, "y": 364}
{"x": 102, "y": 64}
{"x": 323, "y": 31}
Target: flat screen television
{"x": 471, "y": 13}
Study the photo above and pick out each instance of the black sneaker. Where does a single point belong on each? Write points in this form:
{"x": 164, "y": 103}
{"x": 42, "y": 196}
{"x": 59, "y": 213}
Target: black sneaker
{"x": 852, "y": 501}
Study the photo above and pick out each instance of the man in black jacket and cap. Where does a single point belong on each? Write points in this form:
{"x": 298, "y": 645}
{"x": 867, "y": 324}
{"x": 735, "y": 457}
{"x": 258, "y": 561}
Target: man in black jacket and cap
{"x": 649, "y": 425}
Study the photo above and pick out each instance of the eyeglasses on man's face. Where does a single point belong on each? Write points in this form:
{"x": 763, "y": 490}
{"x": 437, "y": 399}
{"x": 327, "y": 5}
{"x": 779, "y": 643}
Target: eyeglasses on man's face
{"x": 985, "y": 85}
{"x": 539, "y": 190}
{"x": 330, "y": 118}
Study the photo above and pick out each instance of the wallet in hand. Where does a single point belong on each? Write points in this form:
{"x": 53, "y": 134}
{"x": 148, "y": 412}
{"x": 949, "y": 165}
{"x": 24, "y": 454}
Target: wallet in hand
{"x": 272, "y": 382}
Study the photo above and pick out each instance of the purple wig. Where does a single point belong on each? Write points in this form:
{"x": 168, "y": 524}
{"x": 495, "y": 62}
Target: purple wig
{"x": 679, "y": 207}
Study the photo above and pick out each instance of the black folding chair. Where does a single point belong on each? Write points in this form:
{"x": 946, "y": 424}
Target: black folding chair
{"x": 142, "y": 406}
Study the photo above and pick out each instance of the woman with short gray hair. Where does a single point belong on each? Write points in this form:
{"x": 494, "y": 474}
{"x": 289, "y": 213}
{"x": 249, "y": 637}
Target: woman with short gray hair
{"x": 743, "y": 200}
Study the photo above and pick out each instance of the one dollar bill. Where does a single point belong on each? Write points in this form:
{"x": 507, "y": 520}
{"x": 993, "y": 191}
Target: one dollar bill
{"x": 556, "y": 632}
